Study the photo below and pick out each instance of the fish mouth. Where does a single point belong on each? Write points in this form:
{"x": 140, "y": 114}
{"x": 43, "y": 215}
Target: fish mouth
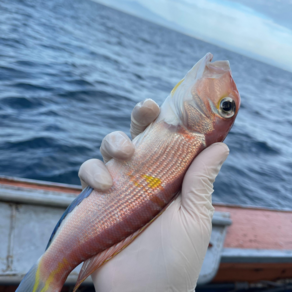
{"x": 222, "y": 65}
{"x": 217, "y": 69}
{"x": 205, "y": 67}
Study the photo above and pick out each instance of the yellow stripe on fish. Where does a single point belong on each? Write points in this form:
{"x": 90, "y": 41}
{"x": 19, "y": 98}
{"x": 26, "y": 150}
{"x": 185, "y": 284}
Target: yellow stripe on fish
{"x": 153, "y": 182}
{"x": 59, "y": 269}
{"x": 37, "y": 280}
{"x": 175, "y": 88}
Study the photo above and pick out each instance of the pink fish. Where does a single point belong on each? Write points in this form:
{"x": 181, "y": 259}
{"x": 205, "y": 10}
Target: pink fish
{"x": 199, "y": 111}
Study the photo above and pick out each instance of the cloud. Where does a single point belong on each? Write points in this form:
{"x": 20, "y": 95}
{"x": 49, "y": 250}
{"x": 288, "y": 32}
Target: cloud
{"x": 230, "y": 24}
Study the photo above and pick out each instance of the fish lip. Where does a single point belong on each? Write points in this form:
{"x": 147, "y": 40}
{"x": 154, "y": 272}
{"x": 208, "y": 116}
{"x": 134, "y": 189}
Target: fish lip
{"x": 198, "y": 69}
{"x": 202, "y": 64}
{"x": 223, "y": 65}
{"x": 208, "y": 57}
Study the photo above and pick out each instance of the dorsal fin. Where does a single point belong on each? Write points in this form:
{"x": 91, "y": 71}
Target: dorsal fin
{"x": 84, "y": 194}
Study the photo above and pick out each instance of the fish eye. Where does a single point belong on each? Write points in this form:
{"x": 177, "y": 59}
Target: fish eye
{"x": 227, "y": 107}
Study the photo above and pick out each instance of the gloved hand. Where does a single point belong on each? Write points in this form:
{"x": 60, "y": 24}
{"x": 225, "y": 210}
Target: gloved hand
{"x": 169, "y": 254}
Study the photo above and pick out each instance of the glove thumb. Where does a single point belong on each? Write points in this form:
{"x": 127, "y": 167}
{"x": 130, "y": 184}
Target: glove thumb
{"x": 198, "y": 182}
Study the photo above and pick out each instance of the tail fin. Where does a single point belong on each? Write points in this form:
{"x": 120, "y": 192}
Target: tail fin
{"x": 32, "y": 281}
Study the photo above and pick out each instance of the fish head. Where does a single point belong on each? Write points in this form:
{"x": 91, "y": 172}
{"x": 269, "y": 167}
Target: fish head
{"x": 206, "y": 101}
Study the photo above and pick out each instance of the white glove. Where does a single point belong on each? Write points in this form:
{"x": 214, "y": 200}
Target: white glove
{"x": 169, "y": 254}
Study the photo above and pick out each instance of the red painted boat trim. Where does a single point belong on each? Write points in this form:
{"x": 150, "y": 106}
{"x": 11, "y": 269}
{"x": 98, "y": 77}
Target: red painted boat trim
{"x": 254, "y": 228}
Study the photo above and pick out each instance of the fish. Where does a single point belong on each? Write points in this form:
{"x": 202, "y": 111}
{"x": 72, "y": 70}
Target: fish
{"x": 199, "y": 111}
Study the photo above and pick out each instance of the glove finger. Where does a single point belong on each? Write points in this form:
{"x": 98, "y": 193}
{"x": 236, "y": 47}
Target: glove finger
{"x": 198, "y": 182}
{"x": 143, "y": 114}
{"x": 94, "y": 173}
{"x": 116, "y": 145}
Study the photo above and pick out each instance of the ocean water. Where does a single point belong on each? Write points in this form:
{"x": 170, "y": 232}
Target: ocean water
{"x": 72, "y": 70}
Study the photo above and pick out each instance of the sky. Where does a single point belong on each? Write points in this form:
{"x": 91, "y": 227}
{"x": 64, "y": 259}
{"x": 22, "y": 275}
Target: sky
{"x": 260, "y": 29}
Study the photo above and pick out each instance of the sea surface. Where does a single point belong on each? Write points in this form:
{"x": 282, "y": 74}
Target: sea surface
{"x": 72, "y": 70}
